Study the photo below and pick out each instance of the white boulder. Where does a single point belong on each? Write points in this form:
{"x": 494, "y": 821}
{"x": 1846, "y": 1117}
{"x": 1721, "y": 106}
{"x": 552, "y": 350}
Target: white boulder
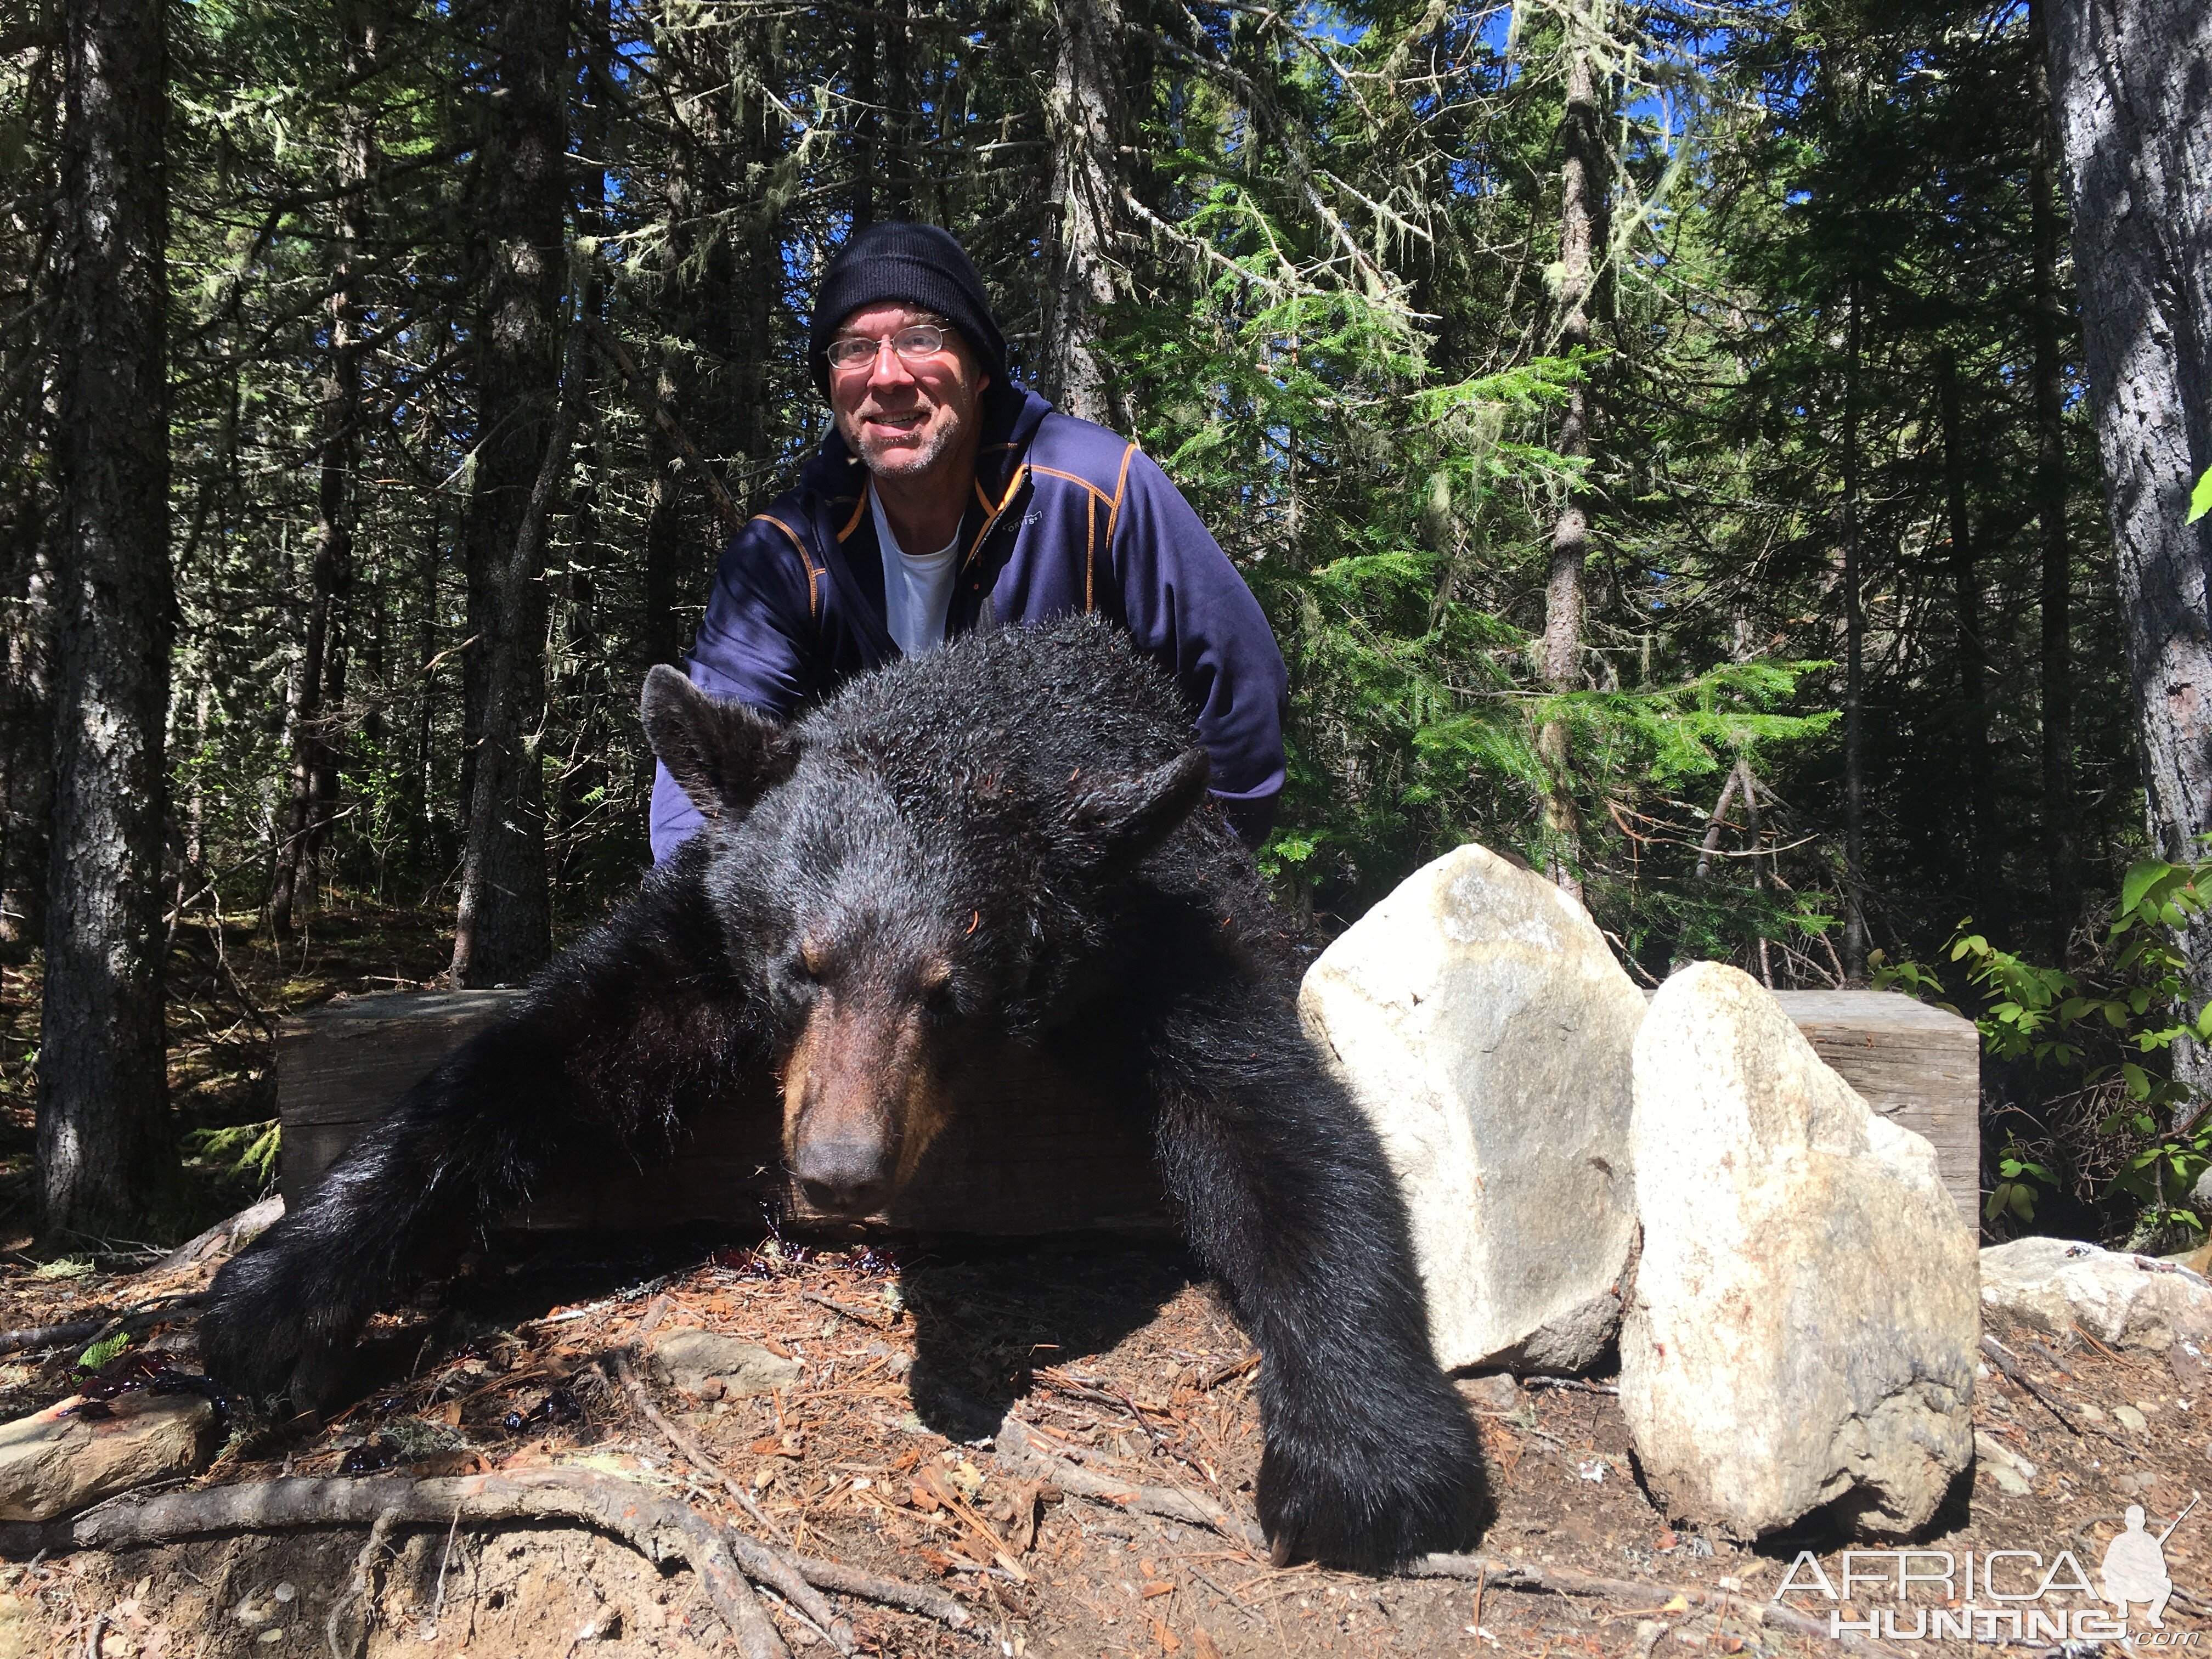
{"x": 1479, "y": 1019}
{"x": 1803, "y": 1325}
{"x": 2123, "y": 1301}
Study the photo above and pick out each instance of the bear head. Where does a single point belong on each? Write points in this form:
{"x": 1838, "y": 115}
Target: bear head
{"x": 900, "y": 901}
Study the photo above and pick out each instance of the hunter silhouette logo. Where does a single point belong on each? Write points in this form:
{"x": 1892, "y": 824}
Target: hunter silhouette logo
{"x": 2135, "y": 1567}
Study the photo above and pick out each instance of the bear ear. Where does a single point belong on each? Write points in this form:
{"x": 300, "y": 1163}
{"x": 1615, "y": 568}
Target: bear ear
{"x": 722, "y": 755}
{"x": 1125, "y": 816}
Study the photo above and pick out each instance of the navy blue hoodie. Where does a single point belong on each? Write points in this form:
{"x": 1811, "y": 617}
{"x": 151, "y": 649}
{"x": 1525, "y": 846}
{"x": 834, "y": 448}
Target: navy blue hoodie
{"x": 1067, "y": 516}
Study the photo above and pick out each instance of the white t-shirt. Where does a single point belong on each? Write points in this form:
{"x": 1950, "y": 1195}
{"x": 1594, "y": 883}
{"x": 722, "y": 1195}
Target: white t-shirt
{"x": 917, "y": 587}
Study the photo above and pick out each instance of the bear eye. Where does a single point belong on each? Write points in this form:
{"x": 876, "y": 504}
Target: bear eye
{"x": 800, "y": 971}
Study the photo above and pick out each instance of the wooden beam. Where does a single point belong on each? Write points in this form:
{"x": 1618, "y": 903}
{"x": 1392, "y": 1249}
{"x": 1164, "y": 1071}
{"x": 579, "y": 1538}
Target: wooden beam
{"x": 1034, "y": 1149}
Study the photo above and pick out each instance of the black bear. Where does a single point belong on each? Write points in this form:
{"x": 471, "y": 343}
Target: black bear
{"x": 998, "y": 842}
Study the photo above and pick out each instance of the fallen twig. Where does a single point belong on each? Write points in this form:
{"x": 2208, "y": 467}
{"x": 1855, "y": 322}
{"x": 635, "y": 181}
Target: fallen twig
{"x": 49, "y": 1336}
{"x": 769, "y": 1566}
{"x": 89, "y": 1331}
{"x": 859, "y": 1315}
{"x": 657, "y": 1527}
{"x": 1018, "y": 1447}
{"x": 890, "y": 1592}
{"x": 1214, "y": 1379}
{"x": 1490, "y": 1570}
{"x": 1573, "y": 1385}
{"x": 2013, "y": 1368}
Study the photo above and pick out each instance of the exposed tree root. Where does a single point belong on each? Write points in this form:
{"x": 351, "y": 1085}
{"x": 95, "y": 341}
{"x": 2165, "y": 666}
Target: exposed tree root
{"x": 1526, "y": 1576}
{"x": 658, "y": 1528}
{"x": 767, "y": 1566}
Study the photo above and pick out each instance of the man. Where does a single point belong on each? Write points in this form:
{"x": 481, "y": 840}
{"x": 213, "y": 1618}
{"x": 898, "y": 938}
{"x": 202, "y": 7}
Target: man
{"x": 949, "y": 500}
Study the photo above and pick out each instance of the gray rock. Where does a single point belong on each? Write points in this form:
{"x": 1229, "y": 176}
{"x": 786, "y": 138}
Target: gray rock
{"x": 2123, "y": 1301}
{"x": 55, "y": 1462}
{"x": 688, "y": 1358}
{"x": 1480, "y": 1021}
{"x": 1495, "y": 1391}
{"x": 1803, "y": 1327}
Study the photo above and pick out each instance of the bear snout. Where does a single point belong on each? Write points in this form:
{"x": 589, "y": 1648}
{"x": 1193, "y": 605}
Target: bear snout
{"x": 845, "y": 1177}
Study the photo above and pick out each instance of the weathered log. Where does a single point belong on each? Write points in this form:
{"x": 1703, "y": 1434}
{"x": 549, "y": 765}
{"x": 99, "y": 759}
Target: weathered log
{"x": 1004, "y": 1166}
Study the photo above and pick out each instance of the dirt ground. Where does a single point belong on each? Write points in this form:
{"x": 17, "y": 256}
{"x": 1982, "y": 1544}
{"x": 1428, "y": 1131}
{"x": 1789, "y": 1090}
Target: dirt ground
{"x": 910, "y": 1357}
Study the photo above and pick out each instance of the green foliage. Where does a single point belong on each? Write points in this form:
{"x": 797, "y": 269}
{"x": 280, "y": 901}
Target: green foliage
{"x": 2109, "y": 1025}
{"x": 2018, "y": 1177}
{"x": 98, "y": 1355}
{"x": 2200, "y": 499}
{"x": 252, "y": 1148}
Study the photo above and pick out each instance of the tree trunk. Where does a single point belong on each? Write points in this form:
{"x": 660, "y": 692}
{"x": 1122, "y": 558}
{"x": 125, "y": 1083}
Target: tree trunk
{"x": 2134, "y": 116}
{"x": 1985, "y": 843}
{"x": 1086, "y": 120}
{"x": 1581, "y": 232}
{"x": 867, "y": 124}
{"x": 1855, "y": 926}
{"x": 898, "y": 111}
{"x": 758, "y": 267}
{"x": 506, "y": 928}
{"x": 664, "y": 538}
{"x": 103, "y": 1140}
{"x": 322, "y": 672}
{"x": 26, "y": 719}
{"x": 424, "y": 839}
{"x": 2061, "y": 858}
{"x": 516, "y": 685}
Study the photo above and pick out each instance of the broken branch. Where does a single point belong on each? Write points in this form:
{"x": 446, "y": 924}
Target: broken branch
{"x": 648, "y": 400}
{"x": 1017, "y": 1447}
{"x": 1490, "y": 1570}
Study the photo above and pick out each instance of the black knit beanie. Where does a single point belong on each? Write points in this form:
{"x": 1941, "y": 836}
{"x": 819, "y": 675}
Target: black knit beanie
{"x": 918, "y": 264}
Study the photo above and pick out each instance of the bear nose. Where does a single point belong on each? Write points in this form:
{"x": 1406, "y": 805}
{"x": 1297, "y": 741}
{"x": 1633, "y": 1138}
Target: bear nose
{"x": 844, "y": 1177}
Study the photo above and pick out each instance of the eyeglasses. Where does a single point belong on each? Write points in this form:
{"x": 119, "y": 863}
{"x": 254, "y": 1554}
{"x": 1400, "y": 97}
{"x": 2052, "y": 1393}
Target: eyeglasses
{"x": 912, "y": 344}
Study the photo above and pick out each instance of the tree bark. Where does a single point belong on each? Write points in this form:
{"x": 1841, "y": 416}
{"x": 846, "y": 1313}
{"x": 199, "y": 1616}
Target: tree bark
{"x": 758, "y": 257}
{"x": 29, "y": 515}
{"x": 1855, "y": 926}
{"x": 515, "y": 685}
{"x": 27, "y": 717}
{"x": 2134, "y": 117}
{"x": 1581, "y": 232}
{"x": 867, "y": 123}
{"x": 898, "y": 111}
{"x": 2051, "y": 322}
{"x": 507, "y": 921}
{"x": 322, "y": 670}
{"x": 1984, "y": 843}
{"x": 1087, "y": 121}
{"x": 103, "y": 1145}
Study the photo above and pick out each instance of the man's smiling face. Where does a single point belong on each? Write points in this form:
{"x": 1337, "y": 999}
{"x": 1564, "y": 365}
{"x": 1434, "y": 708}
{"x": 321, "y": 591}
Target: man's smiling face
{"x": 904, "y": 417}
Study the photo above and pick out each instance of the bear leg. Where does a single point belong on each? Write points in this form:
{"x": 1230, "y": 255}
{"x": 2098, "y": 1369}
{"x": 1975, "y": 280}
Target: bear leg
{"x": 612, "y": 1043}
{"x": 1370, "y": 1457}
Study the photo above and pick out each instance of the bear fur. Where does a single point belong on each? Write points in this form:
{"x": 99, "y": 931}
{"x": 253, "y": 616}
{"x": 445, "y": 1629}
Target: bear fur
{"x": 1002, "y": 840}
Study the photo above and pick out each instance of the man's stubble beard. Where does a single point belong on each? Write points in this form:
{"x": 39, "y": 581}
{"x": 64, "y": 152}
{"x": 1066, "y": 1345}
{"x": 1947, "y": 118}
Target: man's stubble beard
{"x": 901, "y": 462}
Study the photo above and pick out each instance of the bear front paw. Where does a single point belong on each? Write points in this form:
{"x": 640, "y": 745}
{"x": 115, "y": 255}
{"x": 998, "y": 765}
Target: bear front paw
{"x": 257, "y": 1343}
{"x": 1373, "y": 1509}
